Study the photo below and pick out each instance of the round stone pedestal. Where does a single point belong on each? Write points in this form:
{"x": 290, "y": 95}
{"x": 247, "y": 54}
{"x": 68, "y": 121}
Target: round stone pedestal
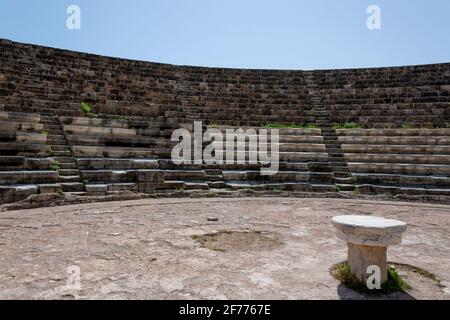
{"x": 368, "y": 238}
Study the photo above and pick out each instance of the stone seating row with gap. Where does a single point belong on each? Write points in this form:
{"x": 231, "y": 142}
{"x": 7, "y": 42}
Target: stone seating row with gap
{"x": 395, "y": 160}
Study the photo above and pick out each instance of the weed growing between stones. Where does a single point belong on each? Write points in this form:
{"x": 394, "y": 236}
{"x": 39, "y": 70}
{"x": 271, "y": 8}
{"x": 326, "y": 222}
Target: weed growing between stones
{"x": 55, "y": 165}
{"x": 395, "y": 282}
{"x": 86, "y": 108}
{"x": 347, "y": 125}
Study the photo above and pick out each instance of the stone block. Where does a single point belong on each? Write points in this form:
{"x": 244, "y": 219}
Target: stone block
{"x": 150, "y": 176}
{"x": 50, "y": 188}
{"x": 91, "y": 163}
{"x": 96, "y": 189}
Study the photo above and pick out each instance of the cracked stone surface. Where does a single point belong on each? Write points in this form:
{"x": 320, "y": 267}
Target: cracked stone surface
{"x": 144, "y": 249}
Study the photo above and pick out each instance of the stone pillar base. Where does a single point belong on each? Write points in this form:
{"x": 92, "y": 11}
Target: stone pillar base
{"x": 360, "y": 257}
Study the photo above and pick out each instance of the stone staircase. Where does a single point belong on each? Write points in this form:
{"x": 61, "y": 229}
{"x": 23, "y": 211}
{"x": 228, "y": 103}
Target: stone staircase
{"x": 336, "y": 161}
{"x": 69, "y": 175}
{"x": 215, "y": 179}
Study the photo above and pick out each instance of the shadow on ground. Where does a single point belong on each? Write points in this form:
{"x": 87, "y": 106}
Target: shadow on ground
{"x": 346, "y": 293}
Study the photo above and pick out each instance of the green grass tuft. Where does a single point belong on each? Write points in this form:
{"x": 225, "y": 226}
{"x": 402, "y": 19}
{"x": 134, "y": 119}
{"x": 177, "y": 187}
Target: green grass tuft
{"x": 395, "y": 282}
{"x": 290, "y": 126}
{"x": 86, "y": 108}
{"x": 347, "y": 125}
{"x": 55, "y": 165}
{"x": 406, "y": 126}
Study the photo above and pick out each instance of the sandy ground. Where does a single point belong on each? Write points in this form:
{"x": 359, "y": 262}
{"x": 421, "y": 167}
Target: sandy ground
{"x": 149, "y": 249}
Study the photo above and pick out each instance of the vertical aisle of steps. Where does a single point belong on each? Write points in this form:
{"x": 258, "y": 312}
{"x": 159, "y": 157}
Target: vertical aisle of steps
{"x": 215, "y": 179}
{"x": 69, "y": 175}
{"x": 336, "y": 159}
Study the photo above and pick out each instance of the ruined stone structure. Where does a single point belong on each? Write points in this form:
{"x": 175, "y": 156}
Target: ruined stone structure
{"x": 399, "y": 143}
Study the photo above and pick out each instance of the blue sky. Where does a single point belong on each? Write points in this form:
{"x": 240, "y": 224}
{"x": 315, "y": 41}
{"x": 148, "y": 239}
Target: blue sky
{"x": 281, "y": 34}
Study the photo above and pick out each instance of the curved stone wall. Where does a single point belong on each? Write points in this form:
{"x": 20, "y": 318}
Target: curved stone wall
{"x": 380, "y": 130}
{"x": 44, "y": 80}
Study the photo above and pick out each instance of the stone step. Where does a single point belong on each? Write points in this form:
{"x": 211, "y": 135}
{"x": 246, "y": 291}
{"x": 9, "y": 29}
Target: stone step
{"x": 443, "y": 132}
{"x": 49, "y": 121}
{"x": 24, "y": 149}
{"x": 338, "y": 164}
{"x": 69, "y": 178}
{"x": 397, "y": 149}
{"x": 217, "y": 184}
{"x": 123, "y": 187}
{"x": 63, "y": 160}
{"x": 56, "y": 142}
{"x": 14, "y": 193}
{"x": 118, "y": 164}
{"x": 400, "y": 168}
{"x": 213, "y": 178}
{"x": 342, "y": 174}
{"x": 321, "y": 177}
{"x": 52, "y": 127}
{"x": 56, "y": 137}
{"x": 399, "y": 179}
{"x": 59, "y": 147}
{"x": 407, "y": 190}
{"x": 196, "y": 186}
{"x": 345, "y": 187}
{"x": 288, "y": 176}
{"x": 96, "y": 189}
{"x": 68, "y": 172}
{"x": 59, "y": 154}
{"x": 398, "y": 158}
{"x": 50, "y": 188}
{"x": 346, "y": 180}
{"x": 215, "y": 172}
{"x": 67, "y": 165}
{"x": 259, "y": 185}
{"x": 396, "y": 140}
{"x": 72, "y": 186}
{"x": 28, "y": 177}
{"x": 323, "y": 187}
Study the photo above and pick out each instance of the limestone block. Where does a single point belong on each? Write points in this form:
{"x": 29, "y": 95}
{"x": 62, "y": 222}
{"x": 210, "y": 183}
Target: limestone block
{"x": 90, "y": 163}
{"x": 119, "y": 163}
{"x": 235, "y": 175}
{"x": 11, "y": 177}
{"x": 12, "y": 162}
{"x": 150, "y": 187}
{"x": 95, "y": 189}
{"x": 150, "y": 176}
{"x": 145, "y": 164}
{"x": 50, "y": 188}
{"x": 38, "y": 163}
{"x": 123, "y": 186}
{"x": 16, "y": 193}
{"x": 96, "y": 175}
{"x": 31, "y": 137}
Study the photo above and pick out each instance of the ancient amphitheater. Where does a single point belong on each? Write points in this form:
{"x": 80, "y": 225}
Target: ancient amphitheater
{"x": 81, "y": 128}
{"x": 399, "y": 144}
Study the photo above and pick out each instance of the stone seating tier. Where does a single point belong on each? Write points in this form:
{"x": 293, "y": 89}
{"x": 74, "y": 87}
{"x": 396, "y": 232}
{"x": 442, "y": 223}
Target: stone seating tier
{"x": 136, "y": 106}
{"x": 418, "y": 94}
